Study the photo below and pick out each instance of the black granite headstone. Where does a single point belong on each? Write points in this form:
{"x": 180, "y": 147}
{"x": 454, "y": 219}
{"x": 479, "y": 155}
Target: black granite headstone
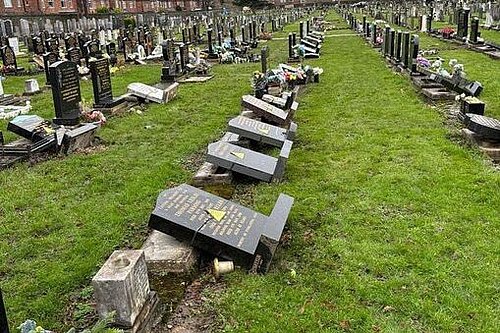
{"x": 28, "y": 126}
{"x": 66, "y": 95}
{"x": 474, "y": 30}
{"x": 486, "y": 127}
{"x": 111, "y": 51}
{"x": 221, "y": 227}
{"x": 261, "y": 132}
{"x": 405, "y": 49}
{"x": 101, "y": 83}
{"x": 48, "y": 59}
{"x": 415, "y": 41}
{"x": 9, "y": 59}
{"x": 4, "y": 324}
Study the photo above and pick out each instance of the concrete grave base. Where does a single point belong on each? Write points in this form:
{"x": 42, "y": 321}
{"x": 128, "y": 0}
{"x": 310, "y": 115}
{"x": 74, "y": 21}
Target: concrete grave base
{"x": 165, "y": 255}
{"x": 196, "y": 79}
{"x": 211, "y": 174}
{"x": 438, "y": 94}
{"x": 488, "y": 147}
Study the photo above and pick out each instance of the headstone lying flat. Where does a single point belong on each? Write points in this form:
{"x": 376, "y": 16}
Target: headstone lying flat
{"x": 425, "y": 82}
{"x": 248, "y": 162}
{"x": 267, "y": 111}
{"x": 122, "y": 286}
{"x": 261, "y": 132}
{"x": 485, "y": 127}
{"x": 195, "y": 79}
{"x": 31, "y": 127}
{"x": 437, "y": 94}
{"x": 11, "y": 111}
{"x": 161, "y": 96}
{"x": 221, "y": 227}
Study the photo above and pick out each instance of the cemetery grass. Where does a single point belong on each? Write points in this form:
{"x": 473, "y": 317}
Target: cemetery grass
{"x": 395, "y": 225}
{"x": 62, "y": 218}
{"x": 394, "y": 228}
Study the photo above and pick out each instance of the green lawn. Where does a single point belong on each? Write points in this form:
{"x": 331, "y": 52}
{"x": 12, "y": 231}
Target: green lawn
{"x": 395, "y": 226}
{"x": 478, "y": 67}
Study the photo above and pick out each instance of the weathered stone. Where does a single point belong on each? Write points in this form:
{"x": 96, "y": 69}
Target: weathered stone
{"x": 122, "y": 285}
{"x": 164, "y": 255}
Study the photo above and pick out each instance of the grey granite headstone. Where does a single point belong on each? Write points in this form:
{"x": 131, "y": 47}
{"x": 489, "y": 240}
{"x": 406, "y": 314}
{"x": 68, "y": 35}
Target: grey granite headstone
{"x": 248, "y": 162}
{"x": 221, "y": 227}
{"x": 261, "y": 132}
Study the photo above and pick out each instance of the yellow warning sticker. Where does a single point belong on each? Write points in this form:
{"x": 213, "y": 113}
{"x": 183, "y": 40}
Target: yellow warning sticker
{"x": 218, "y": 215}
{"x": 238, "y": 154}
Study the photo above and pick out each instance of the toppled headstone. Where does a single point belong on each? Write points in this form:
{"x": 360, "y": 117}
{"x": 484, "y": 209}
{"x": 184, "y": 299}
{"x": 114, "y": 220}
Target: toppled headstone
{"x": 221, "y": 227}
{"x": 267, "y": 111}
{"x": 161, "y": 96}
{"x": 261, "y": 132}
{"x": 485, "y": 127}
{"x": 248, "y": 162}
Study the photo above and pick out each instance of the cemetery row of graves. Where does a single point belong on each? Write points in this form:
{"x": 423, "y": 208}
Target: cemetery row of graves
{"x": 428, "y": 73}
{"x": 373, "y": 219}
{"x": 137, "y": 308}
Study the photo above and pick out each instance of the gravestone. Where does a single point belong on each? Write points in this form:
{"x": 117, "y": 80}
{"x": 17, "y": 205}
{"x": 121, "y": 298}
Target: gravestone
{"x": 73, "y": 54}
{"x": 9, "y": 59}
{"x": 31, "y": 87}
{"x": 221, "y": 227}
{"x": 267, "y": 111}
{"x": 29, "y": 127}
{"x": 405, "y": 49}
{"x": 111, "y": 51}
{"x": 415, "y": 42}
{"x": 153, "y": 94}
{"x": 38, "y": 46}
{"x": 398, "y": 46}
{"x": 49, "y": 58}
{"x": 485, "y": 127}
{"x": 4, "y": 324}
{"x": 474, "y": 30}
{"x": 248, "y": 162}
{"x": 122, "y": 286}
{"x": 463, "y": 23}
{"x": 65, "y": 92}
{"x": 261, "y": 132}
{"x": 101, "y": 84}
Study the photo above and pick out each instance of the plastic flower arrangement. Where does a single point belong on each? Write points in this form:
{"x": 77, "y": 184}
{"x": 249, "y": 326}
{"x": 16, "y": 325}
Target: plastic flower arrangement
{"x": 259, "y": 81}
{"x": 447, "y": 32}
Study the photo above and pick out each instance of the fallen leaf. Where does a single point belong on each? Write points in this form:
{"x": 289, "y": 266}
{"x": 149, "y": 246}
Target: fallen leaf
{"x": 345, "y": 324}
